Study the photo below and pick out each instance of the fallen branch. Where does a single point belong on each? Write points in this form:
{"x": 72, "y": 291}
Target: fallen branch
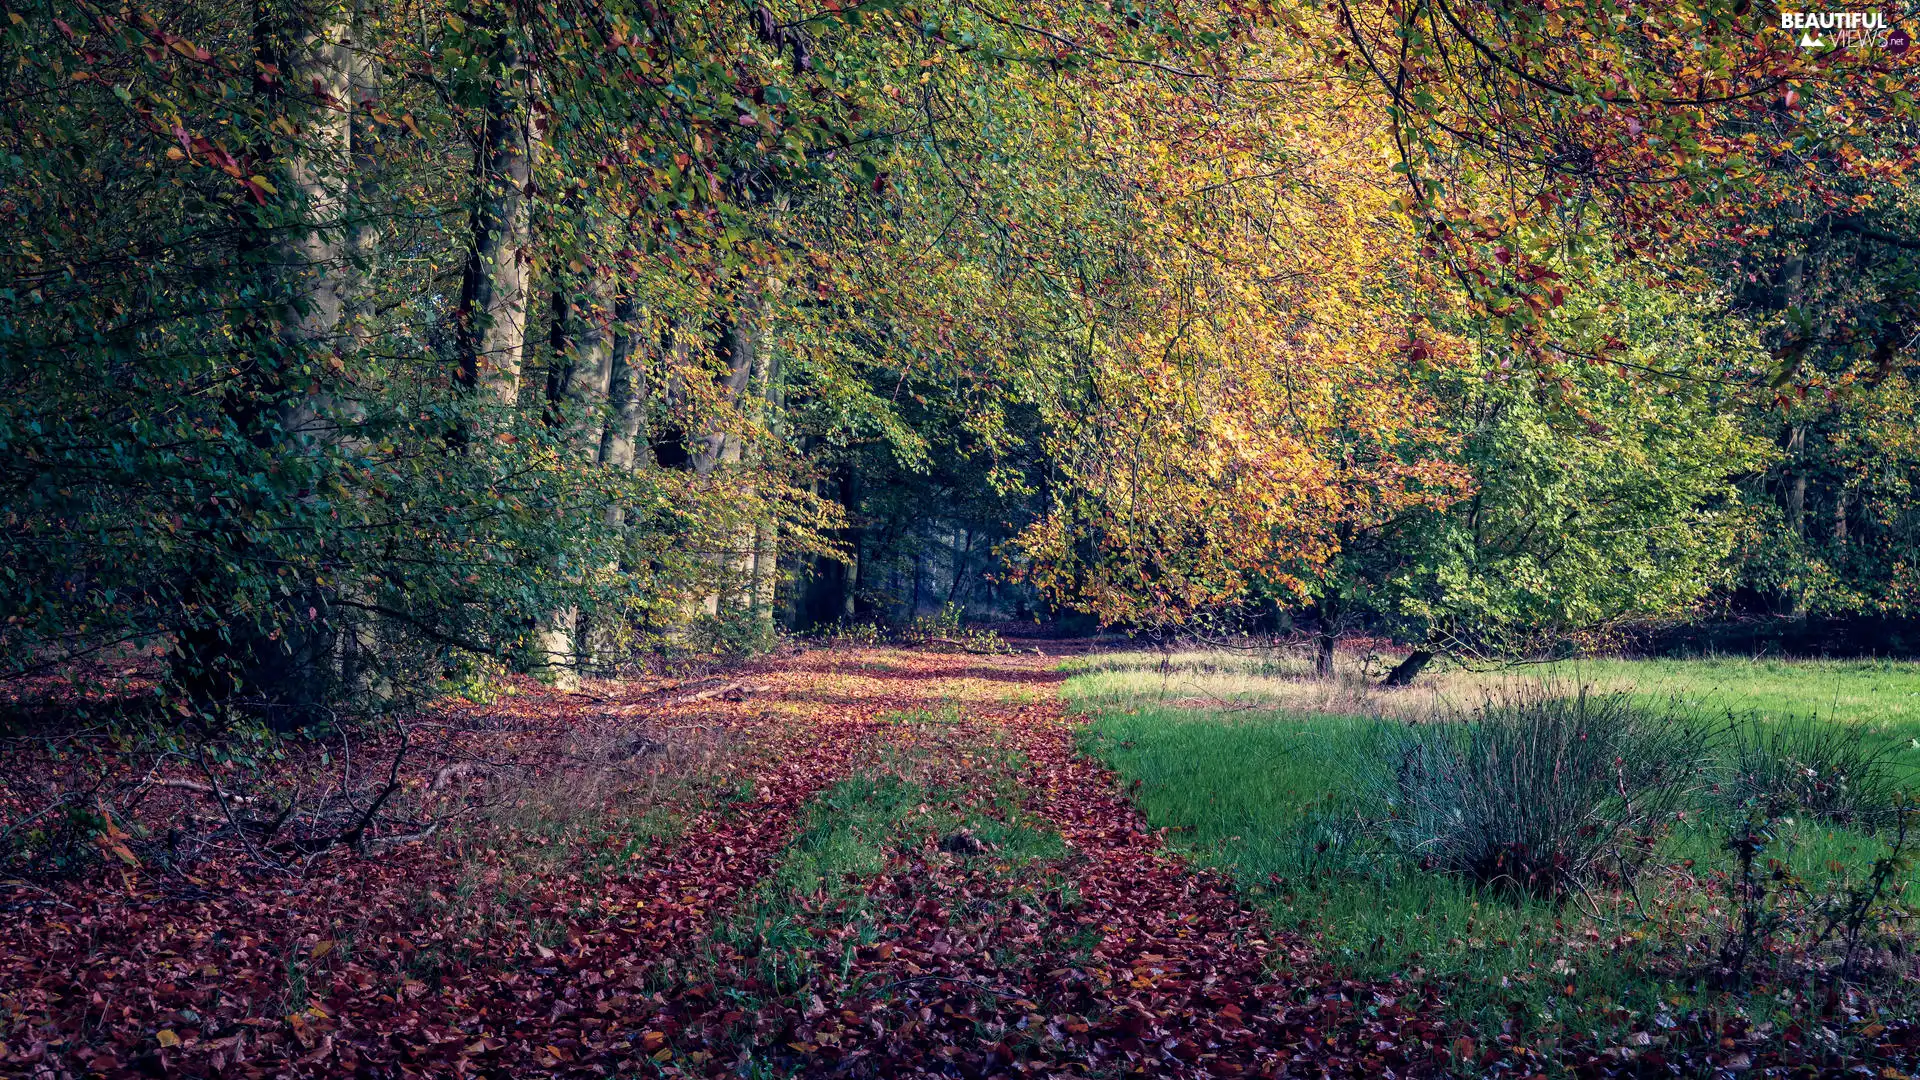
{"x": 209, "y": 790}
{"x": 40, "y": 813}
{"x": 353, "y": 837}
{"x": 380, "y": 842}
{"x": 226, "y": 810}
{"x": 962, "y": 646}
{"x": 733, "y": 691}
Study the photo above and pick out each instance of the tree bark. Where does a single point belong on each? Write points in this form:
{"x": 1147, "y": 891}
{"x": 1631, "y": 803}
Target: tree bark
{"x": 1795, "y": 498}
{"x": 282, "y": 657}
{"x": 1796, "y": 489}
{"x": 1409, "y": 669}
{"x": 766, "y": 572}
{"x": 1323, "y": 654}
{"x": 577, "y": 385}
{"x": 358, "y": 645}
{"x": 737, "y": 345}
{"x": 1331, "y": 615}
{"x": 766, "y": 401}
{"x": 364, "y": 77}
{"x": 582, "y": 370}
{"x": 313, "y": 252}
{"x": 740, "y": 343}
{"x": 962, "y": 555}
{"x": 621, "y": 434}
{"x": 294, "y": 673}
{"x": 491, "y": 325}
{"x": 626, "y": 398}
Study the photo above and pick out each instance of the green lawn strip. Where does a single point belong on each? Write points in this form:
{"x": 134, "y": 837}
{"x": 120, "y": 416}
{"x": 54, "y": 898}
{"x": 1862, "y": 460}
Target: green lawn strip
{"x": 1882, "y": 696}
{"x": 1270, "y": 796}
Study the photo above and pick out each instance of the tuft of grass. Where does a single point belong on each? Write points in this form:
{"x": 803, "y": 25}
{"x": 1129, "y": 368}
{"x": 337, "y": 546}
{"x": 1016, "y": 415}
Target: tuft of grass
{"x": 1841, "y": 773}
{"x": 1541, "y": 792}
{"x": 847, "y": 834}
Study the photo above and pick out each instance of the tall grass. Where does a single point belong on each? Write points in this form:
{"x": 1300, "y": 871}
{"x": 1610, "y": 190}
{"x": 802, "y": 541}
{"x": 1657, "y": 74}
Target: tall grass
{"x": 1539, "y": 792}
{"x": 1846, "y": 774}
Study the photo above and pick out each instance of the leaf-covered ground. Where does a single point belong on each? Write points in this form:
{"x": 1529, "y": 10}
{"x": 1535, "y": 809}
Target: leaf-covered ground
{"x": 856, "y": 863}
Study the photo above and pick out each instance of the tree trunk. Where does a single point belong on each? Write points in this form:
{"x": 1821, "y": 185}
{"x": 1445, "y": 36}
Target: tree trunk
{"x": 491, "y": 325}
{"x": 913, "y": 605}
{"x": 1795, "y": 498}
{"x": 364, "y": 77}
{"x": 1323, "y": 653}
{"x": 620, "y": 436}
{"x": 577, "y": 386}
{"x": 766, "y": 572}
{"x": 282, "y": 657}
{"x": 582, "y": 372}
{"x": 626, "y": 399}
{"x": 853, "y": 537}
{"x": 1332, "y": 615}
{"x": 767, "y": 398}
{"x": 294, "y": 673}
{"x": 740, "y": 343}
{"x": 962, "y": 555}
{"x": 358, "y": 647}
{"x": 313, "y": 253}
{"x": 1409, "y": 669}
{"x": 1796, "y": 488}
{"x": 737, "y": 346}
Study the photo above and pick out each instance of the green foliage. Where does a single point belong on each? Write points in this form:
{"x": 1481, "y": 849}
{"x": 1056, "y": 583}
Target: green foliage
{"x": 732, "y": 633}
{"x": 1604, "y": 496}
{"x": 340, "y": 343}
{"x": 1838, "y": 533}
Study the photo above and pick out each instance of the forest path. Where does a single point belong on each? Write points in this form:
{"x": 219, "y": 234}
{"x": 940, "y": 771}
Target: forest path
{"x": 1014, "y": 917}
{"x": 839, "y": 862}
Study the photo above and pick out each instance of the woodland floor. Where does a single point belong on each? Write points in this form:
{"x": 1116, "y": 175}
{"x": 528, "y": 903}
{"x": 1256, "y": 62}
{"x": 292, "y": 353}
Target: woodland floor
{"x": 879, "y": 863}
{"x": 837, "y": 862}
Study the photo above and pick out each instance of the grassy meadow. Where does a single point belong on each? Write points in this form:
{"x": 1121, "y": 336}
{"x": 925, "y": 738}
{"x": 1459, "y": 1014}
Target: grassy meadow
{"x": 1256, "y": 768}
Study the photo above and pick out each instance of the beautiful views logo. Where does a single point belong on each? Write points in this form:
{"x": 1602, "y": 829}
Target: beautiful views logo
{"x": 1846, "y": 30}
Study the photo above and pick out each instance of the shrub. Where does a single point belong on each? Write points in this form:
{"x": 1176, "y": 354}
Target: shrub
{"x": 948, "y": 630}
{"x": 1839, "y": 772}
{"x": 734, "y": 633}
{"x": 1538, "y": 793}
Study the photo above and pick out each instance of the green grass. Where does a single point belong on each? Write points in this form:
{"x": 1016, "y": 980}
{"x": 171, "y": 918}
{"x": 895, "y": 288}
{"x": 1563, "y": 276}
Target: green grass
{"x": 1880, "y": 695}
{"x": 1254, "y": 774}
